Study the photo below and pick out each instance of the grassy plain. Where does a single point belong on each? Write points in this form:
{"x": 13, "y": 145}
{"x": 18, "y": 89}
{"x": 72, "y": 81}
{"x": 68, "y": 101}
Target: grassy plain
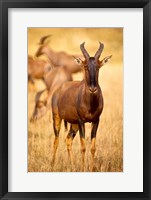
{"x": 109, "y": 140}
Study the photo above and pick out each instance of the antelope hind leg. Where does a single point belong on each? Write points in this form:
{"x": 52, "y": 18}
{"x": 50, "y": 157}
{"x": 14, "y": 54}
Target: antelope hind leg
{"x": 65, "y": 126}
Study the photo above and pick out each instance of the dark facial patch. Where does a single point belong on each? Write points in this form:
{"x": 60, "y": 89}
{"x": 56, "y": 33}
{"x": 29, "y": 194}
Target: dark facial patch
{"x": 91, "y": 70}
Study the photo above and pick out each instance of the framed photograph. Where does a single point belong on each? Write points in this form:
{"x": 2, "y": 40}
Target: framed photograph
{"x": 75, "y": 99}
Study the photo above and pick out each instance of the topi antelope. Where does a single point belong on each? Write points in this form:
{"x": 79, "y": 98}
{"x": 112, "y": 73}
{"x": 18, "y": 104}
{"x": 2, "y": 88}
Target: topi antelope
{"x": 58, "y": 58}
{"x": 78, "y": 102}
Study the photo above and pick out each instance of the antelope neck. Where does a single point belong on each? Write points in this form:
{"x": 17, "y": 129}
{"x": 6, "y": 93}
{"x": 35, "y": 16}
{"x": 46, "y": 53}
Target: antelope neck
{"x": 51, "y": 55}
{"x": 91, "y": 99}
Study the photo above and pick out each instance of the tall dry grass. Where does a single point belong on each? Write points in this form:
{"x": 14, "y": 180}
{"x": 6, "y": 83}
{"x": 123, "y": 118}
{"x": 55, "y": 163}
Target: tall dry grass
{"x": 109, "y": 140}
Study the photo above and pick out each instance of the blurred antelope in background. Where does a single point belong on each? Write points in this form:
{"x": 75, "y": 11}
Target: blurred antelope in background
{"x": 58, "y": 58}
{"x": 37, "y": 68}
{"x": 78, "y": 102}
{"x": 53, "y": 80}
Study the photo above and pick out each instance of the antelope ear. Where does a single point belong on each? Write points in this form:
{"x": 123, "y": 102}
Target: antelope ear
{"x": 78, "y": 60}
{"x": 105, "y": 60}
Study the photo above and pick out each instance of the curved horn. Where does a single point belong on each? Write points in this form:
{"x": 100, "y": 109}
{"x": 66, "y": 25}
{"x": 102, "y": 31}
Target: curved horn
{"x": 99, "y": 51}
{"x": 85, "y": 53}
{"x": 43, "y": 39}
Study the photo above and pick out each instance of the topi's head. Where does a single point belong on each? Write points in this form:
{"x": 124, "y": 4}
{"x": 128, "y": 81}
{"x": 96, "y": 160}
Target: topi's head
{"x": 92, "y": 65}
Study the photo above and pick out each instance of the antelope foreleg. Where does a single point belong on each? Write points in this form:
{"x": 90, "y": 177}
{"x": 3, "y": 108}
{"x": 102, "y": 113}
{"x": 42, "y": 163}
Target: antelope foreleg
{"x": 56, "y": 126}
{"x": 82, "y": 140}
{"x": 93, "y": 138}
{"x": 55, "y": 146}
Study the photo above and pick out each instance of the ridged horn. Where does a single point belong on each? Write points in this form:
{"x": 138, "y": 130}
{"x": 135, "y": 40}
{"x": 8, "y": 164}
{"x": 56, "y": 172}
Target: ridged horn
{"x": 99, "y": 51}
{"x": 84, "y": 51}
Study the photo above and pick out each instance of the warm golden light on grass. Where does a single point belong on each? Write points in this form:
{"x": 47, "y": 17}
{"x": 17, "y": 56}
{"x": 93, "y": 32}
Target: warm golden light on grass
{"x": 109, "y": 140}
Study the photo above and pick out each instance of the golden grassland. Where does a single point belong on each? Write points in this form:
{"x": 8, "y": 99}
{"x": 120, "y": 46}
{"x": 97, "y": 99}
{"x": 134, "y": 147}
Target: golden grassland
{"x": 109, "y": 140}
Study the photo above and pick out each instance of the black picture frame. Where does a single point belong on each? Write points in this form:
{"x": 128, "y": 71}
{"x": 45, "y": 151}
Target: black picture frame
{"x": 4, "y": 6}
